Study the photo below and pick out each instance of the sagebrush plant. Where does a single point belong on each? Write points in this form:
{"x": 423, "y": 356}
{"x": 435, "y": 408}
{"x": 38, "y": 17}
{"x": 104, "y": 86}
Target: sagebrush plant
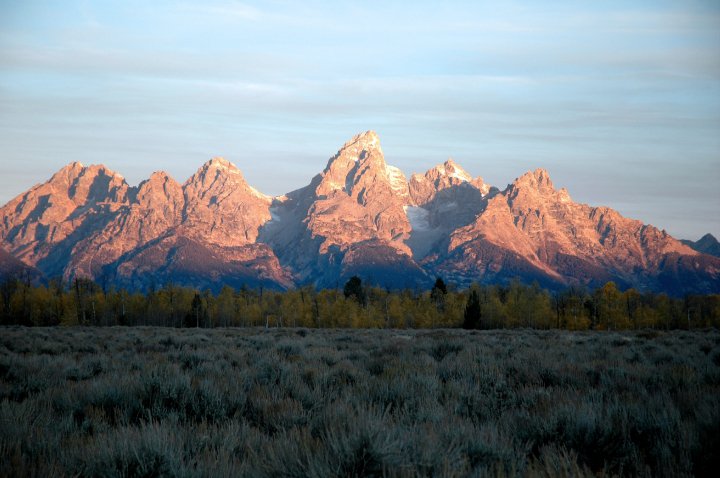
{"x": 147, "y": 401}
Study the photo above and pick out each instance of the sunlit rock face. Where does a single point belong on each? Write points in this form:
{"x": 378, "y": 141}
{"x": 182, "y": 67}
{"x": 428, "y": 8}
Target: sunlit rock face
{"x": 349, "y": 220}
{"x": 359, "y": 216}
{"x": 87, "y": 222}
{"x": 533, "y": 230}
{"x": 42, "y": 226}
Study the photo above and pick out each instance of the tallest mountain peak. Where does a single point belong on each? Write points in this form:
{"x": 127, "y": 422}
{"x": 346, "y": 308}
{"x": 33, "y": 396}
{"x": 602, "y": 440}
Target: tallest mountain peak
{"x": 363, "y": 141}
{"x": 73, "y": 166}
{"x": 369, "y": 136}
{"x": 359, "y": 155}
{"x": 363, "y": 147}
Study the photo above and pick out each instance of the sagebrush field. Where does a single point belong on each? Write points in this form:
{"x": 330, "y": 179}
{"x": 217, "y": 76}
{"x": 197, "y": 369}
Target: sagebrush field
{"x": 298, "y": 402}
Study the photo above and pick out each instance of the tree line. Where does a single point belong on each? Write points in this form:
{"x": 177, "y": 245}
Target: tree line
{"x": 356, "y": 305}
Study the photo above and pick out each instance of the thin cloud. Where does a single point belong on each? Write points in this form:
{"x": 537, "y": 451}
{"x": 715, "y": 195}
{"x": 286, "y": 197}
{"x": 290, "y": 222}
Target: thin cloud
{"x": 225, "y": 10}
{"x": 616, "y": 90}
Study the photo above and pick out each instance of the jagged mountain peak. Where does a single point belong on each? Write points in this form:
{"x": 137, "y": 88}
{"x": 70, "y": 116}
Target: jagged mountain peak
{"x": 366, "y": 140}
{"x": 535, "y": 190}
{"x": 221, "y": 207}
{"x": 424, "y": 187}
{"x": 362, "y": 153}
{"x": 359, "y": 147}
{"x": 159, "y": 176}
{"x": 71, "y": 169}
{"x": 217, "y": 166}
{"x": 82, "y": 184}
{"x": 447, "y": 171}
{"x": 74, "y": 166}
{"x": 451, "y": 169}
{"x": 159, "y": 187}
{"x": 349, "y": 218}
{"x": 218, "y": 175}
{"x": 49, "y": 215}
{"x": 74, "y": 170}
{"x": 218, "y": 162}
{"x": 100, "y": 169}
{"x": 537, "y": 179}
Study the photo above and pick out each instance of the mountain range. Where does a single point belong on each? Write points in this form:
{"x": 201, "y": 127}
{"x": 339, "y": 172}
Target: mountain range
{"x": 359, "y": 216}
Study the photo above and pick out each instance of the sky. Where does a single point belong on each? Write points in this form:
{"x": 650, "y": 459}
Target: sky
{"x": 618, "y": 100}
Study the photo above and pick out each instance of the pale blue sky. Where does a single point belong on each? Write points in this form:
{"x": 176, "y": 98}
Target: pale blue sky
{"x": 620, "y": 101}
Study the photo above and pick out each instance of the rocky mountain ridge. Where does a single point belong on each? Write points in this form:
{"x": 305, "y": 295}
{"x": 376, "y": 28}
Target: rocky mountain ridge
{"x": 359, "y": 216}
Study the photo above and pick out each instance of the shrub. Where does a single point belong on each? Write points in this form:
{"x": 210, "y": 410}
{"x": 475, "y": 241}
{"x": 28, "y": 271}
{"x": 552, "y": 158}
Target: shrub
{"x": 256, "y": 402}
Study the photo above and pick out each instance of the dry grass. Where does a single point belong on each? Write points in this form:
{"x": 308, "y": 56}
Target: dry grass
{"x": 298, "y": 402}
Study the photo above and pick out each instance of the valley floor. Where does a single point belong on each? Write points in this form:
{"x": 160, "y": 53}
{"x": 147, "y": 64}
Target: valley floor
{"x": 297, "y": 402}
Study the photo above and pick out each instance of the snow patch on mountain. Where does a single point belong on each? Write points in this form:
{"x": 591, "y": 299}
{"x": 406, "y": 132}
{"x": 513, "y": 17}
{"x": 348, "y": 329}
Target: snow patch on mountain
{"x": 423, "y": 236}
{"x": 419, "y": 218}
{"x": 398, "y": 183}
{"x": 275, "y": 214}
{"x": 455, "y": 173}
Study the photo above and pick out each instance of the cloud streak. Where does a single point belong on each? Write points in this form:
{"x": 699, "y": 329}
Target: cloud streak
{"x": 614, "y": 91}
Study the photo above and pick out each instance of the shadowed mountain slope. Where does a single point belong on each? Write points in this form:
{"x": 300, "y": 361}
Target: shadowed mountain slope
{"x": 706, "y": 244}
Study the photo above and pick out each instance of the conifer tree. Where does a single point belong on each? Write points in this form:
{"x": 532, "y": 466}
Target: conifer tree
{"x": 354, "y": 288}
{"x": 473, "y": 311}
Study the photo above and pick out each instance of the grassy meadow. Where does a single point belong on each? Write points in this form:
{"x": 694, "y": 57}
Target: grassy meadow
{"x": 151, "y": 401}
